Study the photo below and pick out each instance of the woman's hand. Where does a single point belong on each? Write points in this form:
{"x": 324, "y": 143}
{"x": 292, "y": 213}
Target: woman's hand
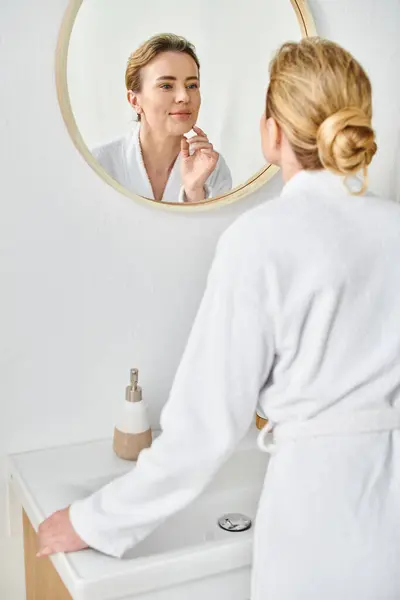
{"x": 199, "y": 160}
{"x": 56, "y": 534}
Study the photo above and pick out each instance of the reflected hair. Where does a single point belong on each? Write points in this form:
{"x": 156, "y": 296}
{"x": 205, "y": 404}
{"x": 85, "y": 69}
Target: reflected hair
{"x": 163, "y": 42}
{"x": 322, "y": 99}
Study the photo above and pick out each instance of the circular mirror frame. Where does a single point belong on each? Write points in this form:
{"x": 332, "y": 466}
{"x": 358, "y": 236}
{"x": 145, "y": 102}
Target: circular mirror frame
{"x": 307, "y": 27}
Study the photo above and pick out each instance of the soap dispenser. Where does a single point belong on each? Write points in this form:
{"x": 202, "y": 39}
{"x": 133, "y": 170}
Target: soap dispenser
{"x": 132, "y": 433}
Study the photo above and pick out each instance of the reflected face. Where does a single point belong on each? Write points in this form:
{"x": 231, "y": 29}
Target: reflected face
{"x": 169, "y": 100}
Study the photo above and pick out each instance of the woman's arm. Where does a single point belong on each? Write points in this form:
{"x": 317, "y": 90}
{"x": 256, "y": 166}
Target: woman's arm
{"x": 211, "y": 406}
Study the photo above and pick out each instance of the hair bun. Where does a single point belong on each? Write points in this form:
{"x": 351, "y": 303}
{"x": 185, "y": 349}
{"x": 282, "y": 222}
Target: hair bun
{"x": 346, "y": 141}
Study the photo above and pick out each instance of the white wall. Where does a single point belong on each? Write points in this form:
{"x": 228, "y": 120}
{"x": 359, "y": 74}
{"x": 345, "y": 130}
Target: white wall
{"x": 93, "y": 283}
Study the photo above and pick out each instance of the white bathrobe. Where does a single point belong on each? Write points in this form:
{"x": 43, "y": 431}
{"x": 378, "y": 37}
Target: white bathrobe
{"x": 123, "y": 160}
{"x": 300, "y": 318}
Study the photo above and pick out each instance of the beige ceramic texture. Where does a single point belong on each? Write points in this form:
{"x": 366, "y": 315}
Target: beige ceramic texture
{"x": 129, "y": 445}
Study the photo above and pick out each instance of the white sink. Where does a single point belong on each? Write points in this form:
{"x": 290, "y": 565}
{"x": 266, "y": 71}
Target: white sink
{"x": 187, "y": 557}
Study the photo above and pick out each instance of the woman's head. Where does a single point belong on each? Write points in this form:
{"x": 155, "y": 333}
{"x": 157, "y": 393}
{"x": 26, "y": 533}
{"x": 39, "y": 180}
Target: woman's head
{"x": 162, "y": 80}
{"x": 319, "y": 102}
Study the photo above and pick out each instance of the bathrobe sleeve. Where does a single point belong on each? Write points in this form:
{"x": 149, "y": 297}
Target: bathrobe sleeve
{"x": 220, "y": 180}
{"x": 111, "y": 158}
{"x": 210, "y": 408}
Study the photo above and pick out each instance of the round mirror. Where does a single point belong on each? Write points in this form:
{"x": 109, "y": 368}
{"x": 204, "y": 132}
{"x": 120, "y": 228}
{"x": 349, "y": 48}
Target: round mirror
{"x": 164, "y": 101}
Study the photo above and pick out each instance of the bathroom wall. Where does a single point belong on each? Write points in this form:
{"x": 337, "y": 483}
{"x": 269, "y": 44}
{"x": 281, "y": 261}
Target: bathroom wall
{"x": 93, "y": 283}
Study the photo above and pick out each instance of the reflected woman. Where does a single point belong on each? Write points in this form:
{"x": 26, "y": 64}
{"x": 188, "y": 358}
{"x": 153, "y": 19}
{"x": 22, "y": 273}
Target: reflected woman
{"x": 157, "y": 160}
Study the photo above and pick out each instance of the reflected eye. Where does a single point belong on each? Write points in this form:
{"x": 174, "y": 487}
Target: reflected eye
{"x": 166, "y": 86}
{"x": 193, "y": 86}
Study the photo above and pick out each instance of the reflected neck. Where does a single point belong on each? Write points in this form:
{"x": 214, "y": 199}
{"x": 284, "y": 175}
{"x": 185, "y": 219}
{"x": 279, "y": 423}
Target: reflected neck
{"x": 159, "y": 152}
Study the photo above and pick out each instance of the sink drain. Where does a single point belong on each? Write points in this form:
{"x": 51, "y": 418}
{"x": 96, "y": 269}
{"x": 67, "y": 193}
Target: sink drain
{"x": 234, "y": 522}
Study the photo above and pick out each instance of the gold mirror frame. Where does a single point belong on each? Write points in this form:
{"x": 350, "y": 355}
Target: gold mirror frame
{"x": 307, "y": 27}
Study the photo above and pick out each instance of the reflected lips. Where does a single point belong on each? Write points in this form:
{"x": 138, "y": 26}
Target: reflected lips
{"x": 181, "y": 116}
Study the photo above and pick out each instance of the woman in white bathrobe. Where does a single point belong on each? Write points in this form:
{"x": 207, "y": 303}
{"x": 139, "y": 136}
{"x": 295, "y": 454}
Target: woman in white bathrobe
{"x": 300, "y": 318}
{"x": 156, "y": 159}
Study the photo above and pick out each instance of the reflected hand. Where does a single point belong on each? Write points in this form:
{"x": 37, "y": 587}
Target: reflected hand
{"x": 56, "y": 534}
{"x": 199, "y": 160}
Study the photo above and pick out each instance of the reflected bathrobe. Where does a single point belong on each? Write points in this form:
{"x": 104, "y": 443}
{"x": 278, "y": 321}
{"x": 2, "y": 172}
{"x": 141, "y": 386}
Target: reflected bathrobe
{"x": 123, "y": 160}
{"x": 300, "y": 319}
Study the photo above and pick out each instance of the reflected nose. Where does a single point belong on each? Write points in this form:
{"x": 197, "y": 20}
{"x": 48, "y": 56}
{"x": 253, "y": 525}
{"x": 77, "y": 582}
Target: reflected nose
{"x": 182, "y": 95}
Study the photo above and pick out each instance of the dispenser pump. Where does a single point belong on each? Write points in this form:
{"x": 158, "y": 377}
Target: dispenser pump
{"x": 134, "y": 391}
{"x": 132, "y": 432}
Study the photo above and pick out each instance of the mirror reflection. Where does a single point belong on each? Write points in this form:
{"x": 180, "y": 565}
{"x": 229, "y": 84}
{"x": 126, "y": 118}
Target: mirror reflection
{"x": 168, "y": 99}
{"x": 157, "y": 159}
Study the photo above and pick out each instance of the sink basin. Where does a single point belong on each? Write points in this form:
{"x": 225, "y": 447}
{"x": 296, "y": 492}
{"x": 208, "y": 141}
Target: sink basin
{"x": 188, "y": 557}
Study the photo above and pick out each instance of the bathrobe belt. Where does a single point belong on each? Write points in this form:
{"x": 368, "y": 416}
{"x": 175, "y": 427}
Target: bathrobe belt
{"x": 349, "y": 423}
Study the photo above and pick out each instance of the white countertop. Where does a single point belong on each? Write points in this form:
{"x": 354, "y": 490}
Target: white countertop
{"x": 47, "y": 480}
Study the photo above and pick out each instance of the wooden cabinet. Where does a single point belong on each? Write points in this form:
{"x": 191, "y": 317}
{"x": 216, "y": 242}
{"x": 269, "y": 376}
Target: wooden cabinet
{"x": 42, "y": 580}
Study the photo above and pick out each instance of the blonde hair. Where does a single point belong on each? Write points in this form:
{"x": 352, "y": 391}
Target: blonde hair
{"x": 163, "y": 42}
{"x": 321, "y": 97}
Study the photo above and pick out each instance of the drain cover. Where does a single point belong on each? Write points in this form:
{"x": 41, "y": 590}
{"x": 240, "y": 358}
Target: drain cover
{"x": 234, "y": 522}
